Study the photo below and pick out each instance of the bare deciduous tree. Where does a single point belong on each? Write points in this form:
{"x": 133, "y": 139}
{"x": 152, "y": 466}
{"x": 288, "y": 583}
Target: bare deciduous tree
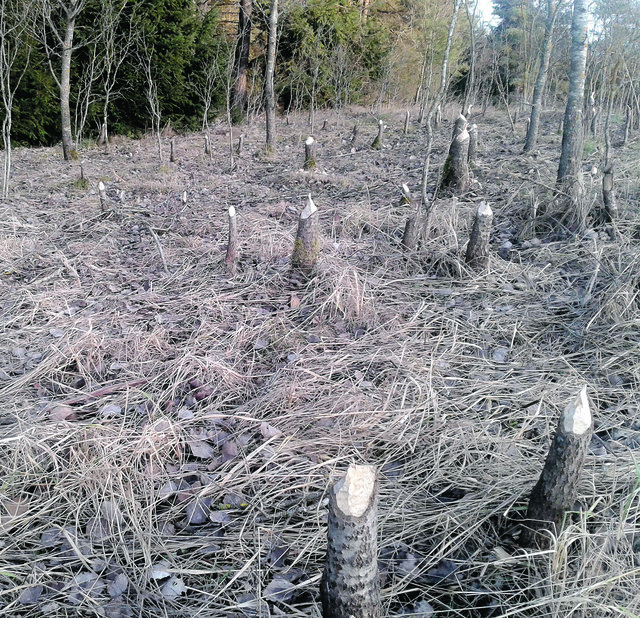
{"x": 269, "y": 89}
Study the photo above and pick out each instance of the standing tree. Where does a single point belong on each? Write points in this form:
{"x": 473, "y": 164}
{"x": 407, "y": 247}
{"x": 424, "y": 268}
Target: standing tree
{"x": 145, "y": 60}
{"x": 570, "y": 167}
{"x": 241, "y": 61}
{"x": 56, "y": 34}
{"x": 269, "y": 88}
{"x": 14, "y": 21}
{"x": 541, "y": 80}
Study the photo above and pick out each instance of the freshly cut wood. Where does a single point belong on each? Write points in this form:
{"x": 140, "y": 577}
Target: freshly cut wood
{"x": 477, "y": 255}
{"x": 307, "y": 244}
{"x": 557, "y": 488}
{"x": 350, "y": 586}
{"x": 472, "y": 155}
{"x": 310, "y": 159}
{"x": 232, "y": 246}
{"x": 102, "y": 192}
{"x": 455, "y": 174}
{"x": 609, "y": 194}
{"x": 377, "y": 142}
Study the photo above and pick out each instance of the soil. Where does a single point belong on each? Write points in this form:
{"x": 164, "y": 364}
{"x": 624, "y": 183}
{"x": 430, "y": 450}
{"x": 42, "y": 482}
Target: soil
{"x": 169, "y": 430}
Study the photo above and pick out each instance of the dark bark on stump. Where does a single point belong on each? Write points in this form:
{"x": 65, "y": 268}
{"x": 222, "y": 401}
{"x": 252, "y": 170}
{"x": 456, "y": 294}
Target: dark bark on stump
{"x": 350, "y": 586}
{"x": 307, "y": 244}
{"x": 310, "y": 160}
{"x": 410, "y": 236}
{"x": 207, "y": 145}
{"x": 477, "y": 255}
{"x": 232, "y": 247}
{"x": 405, "y": 129}
{"x": 473, "y": 145}
{"x": 240, "y": 144}
{"x": 609, "y": 194}
{"x": 557, "y": 488}
{"x": 354, "y": 134}
{"x": 377, "y": 142}
{"x": 456, "y": 168}
{"x": 172, "y": 156}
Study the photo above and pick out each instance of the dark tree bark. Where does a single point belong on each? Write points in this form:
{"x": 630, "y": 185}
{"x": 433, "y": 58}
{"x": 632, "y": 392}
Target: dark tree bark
{"x": 232, "y": 246}
{"x": 307, "y": 244}
{"x": 350, "y": 586}
{"x": 538, "y": 90}
{"x": 410, "y": 236}
{"x": 609, "y": 195}
{"x": 241, "y": 61}
{"x": 270, "y": 95}
{"x": 377, "y": 142}
{"x": 570, "y": 167}
{"x": 477, "y": 255}
{"x": 557, "y": 488}
{"x": 455, "y": 174}
{"x": 172, "y": 156}
{"x": 405, "y": 129}
{"x": 310, "y": 159}
{"x": 472, "y": 156}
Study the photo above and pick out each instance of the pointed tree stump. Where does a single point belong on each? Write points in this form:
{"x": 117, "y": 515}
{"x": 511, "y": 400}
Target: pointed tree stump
{"x": 557, "y": 488}
{"x": 410, "y": 236}
{"x": 455, "y": 174}
{"x": 307, "y": 244}
{"x": 310, "y": 158}
{"x": 609, "y": 195}
{"x": 477, "y": 255}
{"x": 232, "y": 246}
{"x": 350, "y": 586}
{"x": 472, "y": 156}
{"x": 102, "y": 192}
{"x": 377, "y": 142}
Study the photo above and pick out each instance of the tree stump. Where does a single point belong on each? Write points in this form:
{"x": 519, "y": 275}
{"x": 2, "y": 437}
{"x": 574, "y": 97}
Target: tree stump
{"x": 405, "y": 129}
{"x": 455, "y": 174}
{"x": 307, "y": 244}
{"x": 609, "y": 194}
{"x": 472, "y": 156}
{"x": 240, "y": 144}
{"x": 350, "y": 586}
{"x": 207, "y": 145}
{"x": 377, "y": 142}
{"x": 477, "y": 255}
{"x": 410, "y": 236}
{"x": 310, "y": 158}
{"x": 172, "y": 156}
{"x": 232, "y": 246}
{"x": 102, "y": 193}
{"x": 555, "y": 492}
{"x": 354, "y": 134}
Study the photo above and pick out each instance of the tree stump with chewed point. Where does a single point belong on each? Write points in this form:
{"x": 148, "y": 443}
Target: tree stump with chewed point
{"x": 350, "y": 585}
{"x": 306, "y": 247}
{"x": 477, "y": 255}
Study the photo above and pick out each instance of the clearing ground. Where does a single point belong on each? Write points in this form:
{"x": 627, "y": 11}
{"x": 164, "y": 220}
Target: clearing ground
{"x": 168, "y": 431}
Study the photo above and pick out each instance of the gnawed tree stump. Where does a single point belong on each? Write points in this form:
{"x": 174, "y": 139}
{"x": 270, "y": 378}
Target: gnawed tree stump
{"x": 310, "y": 149}
{"x": 350, "y": 586}
{"x": 555, "y": 492}
{"x": 232, "y": 246}
{"x": 307, "y": 244}
{"x": 102, "y": 193}
{"x": 405, "y": 129}
{"x": 477, "y": 255}
{"x": 472, "y": 156}
{"x": 609, "y": 195}
{"x": 354, "y": 134}
{"x": 410, "y": 236}
{"x": 377, "y": 142}
{"x": 172, "y": 156}
{"x": 207, "y": 145}
{"x": 455, "y": 174}
{"x": 240, "y": 144}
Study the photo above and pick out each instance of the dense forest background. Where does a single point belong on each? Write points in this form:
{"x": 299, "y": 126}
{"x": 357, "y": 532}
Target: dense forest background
{"x": 329, "y": 54}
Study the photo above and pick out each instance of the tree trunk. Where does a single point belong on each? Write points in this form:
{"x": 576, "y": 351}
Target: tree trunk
{"x": 270, "y": 96}
{"x": 472, "y": 156}
{"x": 477, "y": 255}
{"x": 307, "y": 244}
{"x": 555, "y": 492}
{"x": 65, "y": 88}
{"x": 232, "y": 247}
{"x": 609, "y": 195}
{"x": 545, "y": 56}
{"x": 241, "y": 61}
{"x": 350, "y": 586}
{"x": 570, "y": 167}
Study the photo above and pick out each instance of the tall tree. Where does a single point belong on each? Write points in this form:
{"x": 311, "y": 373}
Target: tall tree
{"x": 241, "y": 61}
{"x": 570, "y": 168}
{"x": 541, "y": 80}
{"x": 14, "y": 21}
{"x": 269, "y": 88}
{"x": 58, "y": 29}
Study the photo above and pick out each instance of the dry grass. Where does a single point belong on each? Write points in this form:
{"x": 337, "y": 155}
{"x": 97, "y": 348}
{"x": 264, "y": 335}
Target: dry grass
{"x": 451, "y": 385}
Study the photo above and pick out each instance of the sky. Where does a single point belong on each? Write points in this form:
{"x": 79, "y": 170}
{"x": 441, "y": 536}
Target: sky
{"x": 485, "y": 8}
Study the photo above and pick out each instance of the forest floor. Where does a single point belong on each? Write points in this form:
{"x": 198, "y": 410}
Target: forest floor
{"x": 168, "y": 432}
